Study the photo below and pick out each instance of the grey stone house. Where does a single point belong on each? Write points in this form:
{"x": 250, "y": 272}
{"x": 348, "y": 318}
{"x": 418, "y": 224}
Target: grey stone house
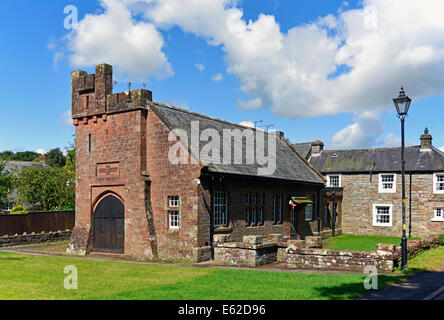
{"x": 368, "y": 184}
{"x": 11, "y": 167}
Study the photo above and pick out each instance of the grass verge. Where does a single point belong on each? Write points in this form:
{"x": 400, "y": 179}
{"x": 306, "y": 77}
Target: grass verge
{"x": 36, "y": 277}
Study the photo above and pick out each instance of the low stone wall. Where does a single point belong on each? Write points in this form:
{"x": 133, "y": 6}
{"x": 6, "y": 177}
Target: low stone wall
{"x": 308, "y": 254}
{"x": 386, "y": 257}
{"x": 252, "y": 252}
{"x": 33, "y": 238}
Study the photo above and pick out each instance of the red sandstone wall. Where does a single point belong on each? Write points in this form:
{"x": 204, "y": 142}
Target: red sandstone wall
{"x": 116, "y": 140}
{"x": 172, "y": 180}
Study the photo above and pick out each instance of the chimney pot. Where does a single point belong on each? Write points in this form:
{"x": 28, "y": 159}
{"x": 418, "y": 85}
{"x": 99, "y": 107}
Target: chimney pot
{"x": 426, "y": 140}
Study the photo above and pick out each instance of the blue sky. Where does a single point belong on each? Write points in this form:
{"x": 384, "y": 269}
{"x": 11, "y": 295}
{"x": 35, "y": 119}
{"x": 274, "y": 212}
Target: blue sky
{"x": 348, "y": 106}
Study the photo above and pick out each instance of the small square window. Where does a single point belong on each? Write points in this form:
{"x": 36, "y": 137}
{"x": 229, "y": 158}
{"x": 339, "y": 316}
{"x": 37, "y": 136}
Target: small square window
{"x": 387, "y": 183}
{"x": 382, "y": 215}
{"x": 173, "y": 201}
{"x": 439, "y": 214}
{"x": 174, "y": 218}
{"x": 334, "y": 181}
{"x": 438, "y": 183}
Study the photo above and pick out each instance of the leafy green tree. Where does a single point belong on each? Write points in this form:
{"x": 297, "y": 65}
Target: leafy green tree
{"x": 5, "y": 183}
{"x": 47, "y": 188}
{"x": 55, "y": 158}
{"x": 6, "y": 155}
{"x": 25, "y": 156}
{"x": 71, "y": 158}
{"x": 19, "y": 209}
{"x": 19, "y": 156}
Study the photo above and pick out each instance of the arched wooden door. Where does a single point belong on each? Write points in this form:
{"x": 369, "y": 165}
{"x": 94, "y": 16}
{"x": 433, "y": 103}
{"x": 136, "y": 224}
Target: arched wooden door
{"x": 109, "y": 226}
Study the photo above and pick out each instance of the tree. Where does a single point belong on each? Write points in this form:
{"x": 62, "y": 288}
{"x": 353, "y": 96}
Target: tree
{"x": 19, "y": 209}
{"x": 46, "y": 188}
{"x": 19, "y": 156}
{"x": 71, "y": 158}
{"x": 55, "y": 158}
{"x": 5, "y": 183}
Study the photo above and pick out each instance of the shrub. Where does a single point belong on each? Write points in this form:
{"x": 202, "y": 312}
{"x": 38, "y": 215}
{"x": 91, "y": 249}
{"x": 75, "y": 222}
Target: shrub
{"x": 18, "y": 209}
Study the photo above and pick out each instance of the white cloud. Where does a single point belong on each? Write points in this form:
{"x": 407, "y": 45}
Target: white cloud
{"x": 200, "y": 67}
{"x": 41, "y": 151}
{"x": 249, "y": 124}
{"x": 251, "y": 104}
{"x": 133, "y": 47}
{"x": 292, "y": 71}
{"x": 217, "y": 77}
{"x": 363, "y": 133}
{"x": 392, "y": 140}
{"x": 295, "y": 72}
{"x": 66, "y": 118}
{"x": 442, "y": 149}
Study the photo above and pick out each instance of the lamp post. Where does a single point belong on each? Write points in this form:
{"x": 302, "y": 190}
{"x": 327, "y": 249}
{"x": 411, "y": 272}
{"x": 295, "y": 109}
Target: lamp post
{"x": 402, "y": 104}
{"x": 333, "y": 215}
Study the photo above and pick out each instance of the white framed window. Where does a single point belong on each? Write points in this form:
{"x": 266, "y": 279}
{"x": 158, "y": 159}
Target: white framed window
{"x": 174, "y": 217}
{"x": 220, "y": 209}
{"x": 438, "y": 215}
{"x": 382, "y": 215}
{"x": 387, "y": 183}
{"x": 173, "y": 201}
{"x": 438, "y": 183}
{"x": 334, "y": 181}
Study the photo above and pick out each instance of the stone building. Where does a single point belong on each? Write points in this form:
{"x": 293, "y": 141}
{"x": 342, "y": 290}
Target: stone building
{"x": 136, "y": 197}
{"x": 370, "y": 180}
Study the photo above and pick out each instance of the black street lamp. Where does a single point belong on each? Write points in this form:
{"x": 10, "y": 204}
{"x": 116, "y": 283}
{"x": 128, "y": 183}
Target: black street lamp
{"x": 333, "y": 216}
{"x": 402, "y": 104}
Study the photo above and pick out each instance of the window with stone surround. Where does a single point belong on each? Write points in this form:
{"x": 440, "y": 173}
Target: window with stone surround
{"x": 438, "y": 215}
{"x": 174, "y": 217}
{"x": 173, "y": 201}
{"x": 438, "y": 183}
{"x": 382, "y": 215}
{"x": 277, "y": 209}
{"x": 254, "y": 209}
{"x": 220, "y": 209}
{"x": 334, "y": 181}
{"x": 387, "y": 183}
{"x": 173, "y": 212}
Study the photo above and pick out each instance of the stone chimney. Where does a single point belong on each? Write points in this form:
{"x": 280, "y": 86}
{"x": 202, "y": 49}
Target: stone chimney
{"x": 317, "y": 147}
{"x": 426, "y": 140}
{"x": 280, "y": 134}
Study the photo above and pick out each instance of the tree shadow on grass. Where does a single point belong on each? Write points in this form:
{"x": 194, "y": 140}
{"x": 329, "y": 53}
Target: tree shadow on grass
{"x": 11, "y": 258}
{"x": 356, "y": 289}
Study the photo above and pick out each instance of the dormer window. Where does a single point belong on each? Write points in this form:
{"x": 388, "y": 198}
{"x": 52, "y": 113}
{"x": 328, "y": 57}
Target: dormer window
{"x": 387, "y": 183}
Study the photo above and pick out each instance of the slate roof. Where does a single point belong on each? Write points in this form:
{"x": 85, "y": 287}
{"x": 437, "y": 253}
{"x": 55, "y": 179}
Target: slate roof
{"x": 289, "y": 165}
{"x": 303, "y": 148}
{"x": 378, "y": 160}
{"x": 20, "y": 165}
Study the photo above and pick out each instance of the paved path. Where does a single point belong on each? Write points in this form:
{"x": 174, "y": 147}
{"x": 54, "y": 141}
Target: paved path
{"x": 423, "y": 286}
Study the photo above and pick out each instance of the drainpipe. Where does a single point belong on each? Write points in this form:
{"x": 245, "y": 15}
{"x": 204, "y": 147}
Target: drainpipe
{"x": 410, "y": 207}
{"x": 211, "y": 217}
{"x": 319, "y": 212}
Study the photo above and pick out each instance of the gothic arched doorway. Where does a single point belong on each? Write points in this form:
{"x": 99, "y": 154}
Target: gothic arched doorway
{"x": 109, "y": 226}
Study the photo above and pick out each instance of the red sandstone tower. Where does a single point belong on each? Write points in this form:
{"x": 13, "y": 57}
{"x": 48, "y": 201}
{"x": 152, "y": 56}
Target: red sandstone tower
{"x": 111, "y": 193}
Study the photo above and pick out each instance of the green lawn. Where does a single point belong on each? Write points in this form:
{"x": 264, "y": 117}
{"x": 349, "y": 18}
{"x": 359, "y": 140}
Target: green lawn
{"x": 358, "y": 243}
{"x": 430, "y": 260}
{"x": 25, "y": 276}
